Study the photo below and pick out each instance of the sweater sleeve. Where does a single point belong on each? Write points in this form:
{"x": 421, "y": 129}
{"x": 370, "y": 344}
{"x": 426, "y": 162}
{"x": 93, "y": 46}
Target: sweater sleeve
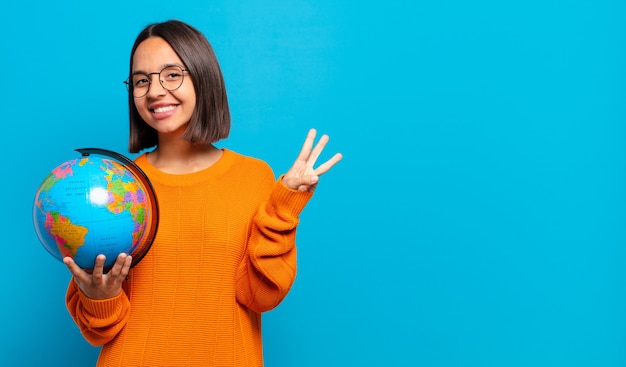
{"x": 268, "y": 269}
{"x": 98, "y": 320}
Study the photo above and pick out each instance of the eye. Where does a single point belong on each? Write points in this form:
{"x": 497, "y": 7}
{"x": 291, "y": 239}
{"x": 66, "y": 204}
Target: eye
{"x": 172, "y": 73}
{"x": 140, "y": 81}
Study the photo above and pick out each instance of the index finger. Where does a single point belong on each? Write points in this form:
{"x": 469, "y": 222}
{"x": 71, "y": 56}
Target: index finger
{"x": 98, "y": 268}
{"x": 324, "y": 167}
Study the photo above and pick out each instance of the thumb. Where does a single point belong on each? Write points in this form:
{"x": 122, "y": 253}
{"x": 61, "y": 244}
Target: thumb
{"x": 296, "y": 182}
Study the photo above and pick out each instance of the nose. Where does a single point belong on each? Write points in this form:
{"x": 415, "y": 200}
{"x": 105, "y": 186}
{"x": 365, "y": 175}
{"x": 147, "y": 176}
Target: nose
{"x": 155, "y": 88}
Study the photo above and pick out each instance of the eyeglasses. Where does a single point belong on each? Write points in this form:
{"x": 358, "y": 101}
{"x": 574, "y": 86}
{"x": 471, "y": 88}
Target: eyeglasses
{"x": 171, "y": 78}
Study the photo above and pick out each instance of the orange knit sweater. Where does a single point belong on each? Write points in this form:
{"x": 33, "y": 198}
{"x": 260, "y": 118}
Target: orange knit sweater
{"x": 224, "y": 253}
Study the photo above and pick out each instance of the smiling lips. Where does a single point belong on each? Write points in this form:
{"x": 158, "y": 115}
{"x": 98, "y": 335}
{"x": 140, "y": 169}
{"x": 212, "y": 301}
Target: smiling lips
{"x": 163, "y": 112}
{"x": 163, "y": 109}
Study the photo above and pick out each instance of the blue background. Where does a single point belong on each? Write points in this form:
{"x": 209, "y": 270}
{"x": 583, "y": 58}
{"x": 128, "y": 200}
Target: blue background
{"x": 477, "y": 218}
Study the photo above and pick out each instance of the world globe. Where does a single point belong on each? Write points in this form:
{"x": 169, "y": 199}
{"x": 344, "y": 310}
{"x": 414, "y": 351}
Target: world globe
{"x": 99, "y": 203}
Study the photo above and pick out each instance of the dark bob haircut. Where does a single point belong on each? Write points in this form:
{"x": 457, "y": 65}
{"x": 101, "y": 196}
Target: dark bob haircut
{"x": 210, "y": 120}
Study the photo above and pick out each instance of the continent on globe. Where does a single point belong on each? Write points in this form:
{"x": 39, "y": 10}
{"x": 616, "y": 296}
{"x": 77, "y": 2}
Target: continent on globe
{"x": 101, "y": 203}
{"x": 68, "y": 236}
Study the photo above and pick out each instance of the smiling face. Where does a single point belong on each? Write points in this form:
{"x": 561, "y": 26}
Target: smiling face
{"x": 168, "y": 112}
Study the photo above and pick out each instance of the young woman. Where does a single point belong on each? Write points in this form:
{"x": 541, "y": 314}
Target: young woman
{"x": 225, "y": 248}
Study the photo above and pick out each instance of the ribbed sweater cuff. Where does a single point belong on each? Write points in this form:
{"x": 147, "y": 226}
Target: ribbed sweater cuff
{"x": 288, "y": 200}
{"x": 101, "y": 308}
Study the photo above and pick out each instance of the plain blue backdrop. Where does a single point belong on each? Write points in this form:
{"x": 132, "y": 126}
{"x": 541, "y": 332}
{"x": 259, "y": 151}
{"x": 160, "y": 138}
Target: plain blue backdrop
{"x": 477, "y": 219}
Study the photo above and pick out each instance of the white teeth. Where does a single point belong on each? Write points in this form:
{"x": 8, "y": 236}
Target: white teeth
{"x": 164, "y": 109}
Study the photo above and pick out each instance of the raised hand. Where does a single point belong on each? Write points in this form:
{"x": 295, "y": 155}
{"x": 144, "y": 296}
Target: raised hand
{"x": 302, "y": 175}
{"x": 99, "y": 285}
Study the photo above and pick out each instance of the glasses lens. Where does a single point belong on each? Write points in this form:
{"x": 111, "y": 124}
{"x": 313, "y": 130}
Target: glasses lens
{"x": 171, "y": 77}
{"x": 139, "y": 84}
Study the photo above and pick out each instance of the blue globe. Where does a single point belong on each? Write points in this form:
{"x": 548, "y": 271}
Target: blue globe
{"x": 99, "y": 203}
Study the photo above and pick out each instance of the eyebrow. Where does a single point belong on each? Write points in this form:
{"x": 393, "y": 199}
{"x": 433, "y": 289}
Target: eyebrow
{"x": 162, "y": 67}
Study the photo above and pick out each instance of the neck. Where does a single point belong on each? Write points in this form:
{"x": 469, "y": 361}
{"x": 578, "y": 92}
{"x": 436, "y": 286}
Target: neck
{"x": 182, "y": 157}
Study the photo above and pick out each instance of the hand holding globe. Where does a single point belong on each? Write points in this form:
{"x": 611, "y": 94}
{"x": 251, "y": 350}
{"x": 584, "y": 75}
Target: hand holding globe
{"x": 98, "y": 284}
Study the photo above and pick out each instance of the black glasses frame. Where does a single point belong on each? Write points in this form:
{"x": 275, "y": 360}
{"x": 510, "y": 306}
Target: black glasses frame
{"x": 131, "y": 89}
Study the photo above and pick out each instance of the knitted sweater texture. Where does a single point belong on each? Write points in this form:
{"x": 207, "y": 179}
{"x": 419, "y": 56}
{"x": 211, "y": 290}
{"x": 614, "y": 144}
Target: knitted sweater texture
{"x": 223, "y": 254}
